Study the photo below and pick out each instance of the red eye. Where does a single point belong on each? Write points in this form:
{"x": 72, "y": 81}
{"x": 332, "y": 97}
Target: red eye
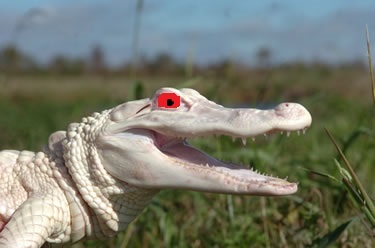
{"x": 169, "y": 100}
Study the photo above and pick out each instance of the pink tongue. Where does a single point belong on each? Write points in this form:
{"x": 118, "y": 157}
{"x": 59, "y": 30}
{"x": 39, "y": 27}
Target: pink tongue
{"x": 162, "y": 140}
{"x": 189, "y": 154}
{"x": 194, "y": 157}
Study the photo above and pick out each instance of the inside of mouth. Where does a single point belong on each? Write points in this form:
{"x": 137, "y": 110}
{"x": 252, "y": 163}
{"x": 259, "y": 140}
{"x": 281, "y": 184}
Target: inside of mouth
{"x": 183, "y": 153}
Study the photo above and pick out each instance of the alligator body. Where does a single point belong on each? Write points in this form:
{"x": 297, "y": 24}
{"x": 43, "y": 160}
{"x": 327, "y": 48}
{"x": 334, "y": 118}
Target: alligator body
{"x": 92, "y": 180}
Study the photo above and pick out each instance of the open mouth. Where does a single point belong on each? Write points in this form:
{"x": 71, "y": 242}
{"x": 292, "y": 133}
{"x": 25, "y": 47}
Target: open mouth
{"x": 192, "y": 159}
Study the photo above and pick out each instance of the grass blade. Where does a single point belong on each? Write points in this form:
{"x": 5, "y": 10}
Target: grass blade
{"x": 330, "y": 237}
{"x": 354, "y": 184}
{"x": 321, "y": 174}
{"x": 370, "y": 63}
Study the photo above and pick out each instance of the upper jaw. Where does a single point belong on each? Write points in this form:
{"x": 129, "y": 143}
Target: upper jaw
{"x": 207, "y": 118}
{"x": 197, "y": 116}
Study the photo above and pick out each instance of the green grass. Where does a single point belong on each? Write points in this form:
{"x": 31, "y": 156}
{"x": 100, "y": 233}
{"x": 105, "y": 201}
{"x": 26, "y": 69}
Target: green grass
{"x": 315, "y": 216}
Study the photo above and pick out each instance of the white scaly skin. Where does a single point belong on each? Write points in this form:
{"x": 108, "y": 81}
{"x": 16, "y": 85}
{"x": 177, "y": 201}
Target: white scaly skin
{"x": 31, "y": 201}
{"x": 93, "y": 180}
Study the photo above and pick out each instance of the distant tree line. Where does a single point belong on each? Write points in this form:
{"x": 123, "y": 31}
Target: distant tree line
{"x": 14, "y": 61}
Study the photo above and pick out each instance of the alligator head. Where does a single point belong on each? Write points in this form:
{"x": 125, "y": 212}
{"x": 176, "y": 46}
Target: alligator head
{"x": 145, "y": 145}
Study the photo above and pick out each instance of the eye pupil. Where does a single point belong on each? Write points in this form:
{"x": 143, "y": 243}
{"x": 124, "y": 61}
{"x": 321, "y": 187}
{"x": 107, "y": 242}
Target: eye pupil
{"x": 170, "y": 102}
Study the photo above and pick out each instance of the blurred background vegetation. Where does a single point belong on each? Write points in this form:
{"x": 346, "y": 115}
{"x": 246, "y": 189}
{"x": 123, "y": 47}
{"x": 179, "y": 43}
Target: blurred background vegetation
{"x": 37, "y": 99}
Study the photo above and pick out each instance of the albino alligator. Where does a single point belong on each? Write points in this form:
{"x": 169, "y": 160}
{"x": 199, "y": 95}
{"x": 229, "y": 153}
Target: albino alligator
{"x": 93, "y": 180}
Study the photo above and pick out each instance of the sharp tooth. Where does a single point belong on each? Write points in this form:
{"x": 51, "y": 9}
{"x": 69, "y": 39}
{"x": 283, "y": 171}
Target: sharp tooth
{"x": 244, "y": 141}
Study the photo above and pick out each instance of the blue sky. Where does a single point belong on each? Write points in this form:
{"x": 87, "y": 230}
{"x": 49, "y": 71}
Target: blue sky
{"x": 207, "y": 30}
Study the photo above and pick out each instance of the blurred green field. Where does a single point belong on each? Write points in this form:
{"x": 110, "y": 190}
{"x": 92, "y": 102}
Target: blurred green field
{"x": 32, "y": 107}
